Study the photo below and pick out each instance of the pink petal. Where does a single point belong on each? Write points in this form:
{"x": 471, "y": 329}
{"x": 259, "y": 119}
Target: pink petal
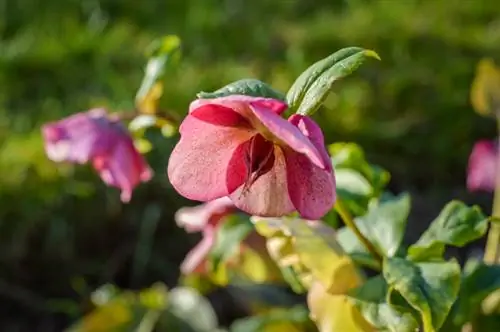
{"x": 79, "y": 137}
{"x": 288, "y": 134}
{"x": 482, "y": 168}
{"x": 123, "y": 167}
{"x": 312, "y": 131}
{"x": 239, "y": 103}
{"x": 311, "y": 189}
{"x": 197, "y": 167}
{"x": 220, "y": 116}
{"x": 195, "y": 219}
{"x": 196, "y": 258}
{"x": 268, "y": 195}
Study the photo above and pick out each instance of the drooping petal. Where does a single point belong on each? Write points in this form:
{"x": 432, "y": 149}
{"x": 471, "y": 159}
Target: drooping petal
{"x": 311, "y": 130}
{"x": 79, "y": 137}
{"x": 311, "y": 189}
{"x": 288, "y": 134}
{"x": 198, "y": 164}
{"x": 195, "y": 260}
{"x": 239, "y": 103}
{"x": 196, "y": 218}
{"x": 483, "y": 166}
{"x": 123, "y": 167}
{"x": 268, "y": 195}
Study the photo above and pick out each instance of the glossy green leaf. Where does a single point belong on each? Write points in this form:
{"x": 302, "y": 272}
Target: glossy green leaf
{"x": 228, "y": 239}
{"x": 384, "y": 224}
{"x": 162, "y": 53}
{"x": 478, "y": 281}
{"x": 430, "y": 288}
{"x": 370, "y": 299}
{"x": 358, "y": 253}
{"x": 312, "y": 87}
{"x": 247, "y": 87}
{"x": 456, "y": 225}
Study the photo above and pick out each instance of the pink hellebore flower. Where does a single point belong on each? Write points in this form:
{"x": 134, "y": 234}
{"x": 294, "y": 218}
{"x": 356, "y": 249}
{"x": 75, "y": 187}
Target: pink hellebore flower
{"x": 240, "y": 146}
{"x": 482, "y": 168}
{"x": 204, "y": 218}
{"x": 94, "y": 137}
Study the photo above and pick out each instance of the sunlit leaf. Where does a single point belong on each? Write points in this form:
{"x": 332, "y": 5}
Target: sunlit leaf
{"x": 358, "y": 253}
{"x": 311, "y": 88}
{"x": 335, "y": 312}
{"x": 275, "y": 320}
{"x": 162, "y": 53}
{"x": 429, "y": 288}
{"x": 247, "y": 87}
{"x": 370, "y": 299}
{"x": 485, "y": 90}
{"x": 456, "y": 225}
{"x": 228, "y": 239}
{"x": 142, "y": 122}
{"x": 143, "y": 145}
{"x": 155, "y": 298}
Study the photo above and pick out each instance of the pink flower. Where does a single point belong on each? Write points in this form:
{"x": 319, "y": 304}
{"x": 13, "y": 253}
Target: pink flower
{"x": 240, "y": 146}
{"x": 204, "y": 218}
{"x": 482, "y": 168}
{"x": 93, "y": 137}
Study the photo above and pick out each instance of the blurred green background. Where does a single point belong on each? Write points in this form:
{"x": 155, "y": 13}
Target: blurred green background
{"x": 63, "y": 233}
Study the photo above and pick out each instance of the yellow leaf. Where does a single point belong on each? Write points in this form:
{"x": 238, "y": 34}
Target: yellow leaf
{"x": 334, "y": 312}
{"x": 149, "y": 103}
{"x": 485, "y": 90}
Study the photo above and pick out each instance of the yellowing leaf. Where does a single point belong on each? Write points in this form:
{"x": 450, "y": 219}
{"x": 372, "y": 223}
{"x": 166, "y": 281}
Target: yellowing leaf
{"x": 485, "y": 90}
{"x": 149, "y": 103}
{"x": 334, "y": 312}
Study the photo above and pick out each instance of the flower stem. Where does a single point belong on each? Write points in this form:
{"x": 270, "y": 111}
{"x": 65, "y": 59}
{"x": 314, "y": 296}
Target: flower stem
{"x": 349, "y": 222}
{"x": 492, "y": 250}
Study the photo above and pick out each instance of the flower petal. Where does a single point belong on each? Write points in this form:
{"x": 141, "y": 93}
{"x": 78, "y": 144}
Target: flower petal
{"x": 268, "y": 195}
{"x": 312, "y": 131}
{"x": 196, "y": 218}
{"x": 311, "y": 189}
{"x": 288, "y": 134}
{"x": 124, "y": 167}
{"x": 198, "y": 164}
{"x": 196, "y": 258}
{"x": 239, "y": 103}
{"x": 79, "y": 137}
{"x": 482, "y": 168}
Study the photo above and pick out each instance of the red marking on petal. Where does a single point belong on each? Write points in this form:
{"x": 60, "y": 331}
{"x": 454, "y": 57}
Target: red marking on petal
{"x": 219, "y": 115}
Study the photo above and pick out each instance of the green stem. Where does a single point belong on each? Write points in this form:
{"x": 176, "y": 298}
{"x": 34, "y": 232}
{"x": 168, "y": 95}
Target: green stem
{"x": 492, "y": 249}
{"x": 349, "y": 222}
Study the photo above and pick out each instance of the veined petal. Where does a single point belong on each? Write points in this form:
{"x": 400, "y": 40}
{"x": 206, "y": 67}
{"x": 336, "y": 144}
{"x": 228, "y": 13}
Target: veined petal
{"x": 268, "y": 195}
{"x": 311, "y": 189}
{"x": 198, "y": 164}
{"x": 483, "y": 166}
{"x": 288, "y": 134}
{"x": 239, "y": 103}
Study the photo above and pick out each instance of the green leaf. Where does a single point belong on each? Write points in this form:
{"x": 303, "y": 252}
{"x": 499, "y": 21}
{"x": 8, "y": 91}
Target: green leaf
{"x": 228, "y": 239}
{"x": 385, "y": 223}
{"x": 456, "y": 225}
{"x": 290, "y": 319}
{"x": 370, "y": 299}
{"x": 479, "y": 281}
{"x": 312, "y": 87}
{"x": 247, "y": 87}
{"x": 162, "y": 53}
{"x": 430, "y": 288}
{"x": 358, "y": 253}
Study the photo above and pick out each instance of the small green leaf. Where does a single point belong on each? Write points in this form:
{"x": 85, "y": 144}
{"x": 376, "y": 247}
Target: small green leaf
{"x": 228, "y": 239}
{"x": 312, "y": 87}
{"x": 429, "y": 288}
{"x": 479, "y": 281}
{"x": 370, "y": 299}
{"x": 384, "y": 224}
{"x": 247, "y": 87}
{"x": 358, "y": 253}
{"x": 456, "y": 225}
{"x": 162, "y": 53}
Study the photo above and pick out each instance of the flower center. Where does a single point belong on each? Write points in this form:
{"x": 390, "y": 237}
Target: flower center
{"x": 259, "y": 159}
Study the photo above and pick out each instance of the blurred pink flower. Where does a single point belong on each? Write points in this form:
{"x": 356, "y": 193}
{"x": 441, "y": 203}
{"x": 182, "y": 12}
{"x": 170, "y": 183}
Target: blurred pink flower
{"x": 204, "y": 218}
{"x": 240, "y": 146}
{"x": 94, "y": 137}
{"x": 482, "y": 167}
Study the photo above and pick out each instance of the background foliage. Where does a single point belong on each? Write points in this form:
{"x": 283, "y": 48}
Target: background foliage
{"x": 62, "y": 233}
